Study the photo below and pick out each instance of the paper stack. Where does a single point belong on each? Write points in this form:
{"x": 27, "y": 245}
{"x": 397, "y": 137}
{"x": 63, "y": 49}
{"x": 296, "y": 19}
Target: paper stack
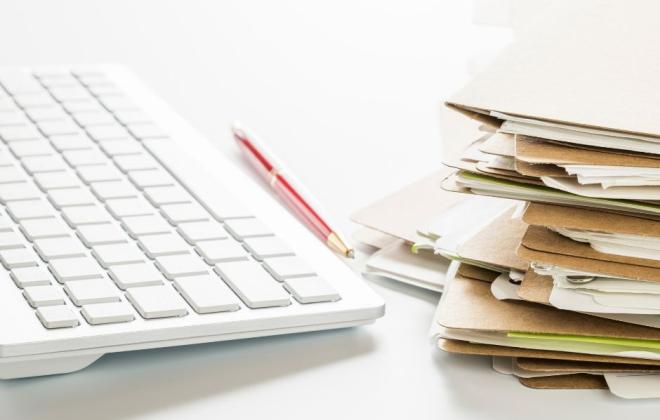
{"x": 570, "y": 126}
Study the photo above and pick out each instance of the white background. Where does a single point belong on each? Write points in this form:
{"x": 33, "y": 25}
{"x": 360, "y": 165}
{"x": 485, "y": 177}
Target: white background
{"x": 348, "y": 93}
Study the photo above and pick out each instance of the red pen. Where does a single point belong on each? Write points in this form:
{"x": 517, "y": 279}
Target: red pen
{"x": 293, "y": 195}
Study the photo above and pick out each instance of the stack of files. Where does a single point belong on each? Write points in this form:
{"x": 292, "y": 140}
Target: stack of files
{"x": 583, "y": 150}
{"x": 400, "y": 231}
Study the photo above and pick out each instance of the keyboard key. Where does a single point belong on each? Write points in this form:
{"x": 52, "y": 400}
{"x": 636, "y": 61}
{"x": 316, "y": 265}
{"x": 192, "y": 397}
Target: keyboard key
{"x": 187, "y": 212}
{"x": 116, "y": 254}
{"x": 207, "y": 294}
{"x": 107, "y": 132}
{"x": 71, "y": 142}
{"x": 10, "y": 240}
{"x": 201, "y": 231}
{"x": 19, "y": 133}
{"x": 37, "y": 164}
{"x": 121, "y": 147}
{"x": 101, "y": 234}
{"x": 311, "y": 290}
{"x": 85, "y": 292}
{"x": 17, "y": 192}
{"x": 11, "y": 174}
{"x": 18, "y": 83}
{"x": 161, "y": 245}
{"x": 223, "y": 250}
{"x": 67, "y": 197}
{"x": 12, "y": 118}
{"x": 30, "y": 209}
{"x": 56, "y": 180}
{"x": 19, "y": 257}
{"x": 6, "y": 225}
{"x": 137, "y": 162}
{"x": 26, "y": 148}
{"x": 135, "y": 275}
{"x": 70, "y": 269}
{"x": 84, "y": 215}
{"x": 86, "y": 105}
{"x": 124, "y": 207}
{"x": 181, "y": 265}
{"x": 145, "y": 225}
{"x": 267, "y": 246}
{"x": 114, "y": 189}
{"x": 30, "y": 276}
{"x": 131, "y": 116}
{"x": 108, "y": 313}
{"x": 58, "y": 127}
{"x": 84, "y": 157}
{"x": 287, "y": 267}
{"x": 255, "y": 287}
{"x": 32, "y": 100}
{"x": 57, "y": 317}
{"x": 69, "y": 93}
{"x": 159, "y": 196}
{"x": 43, "y": 228}
{"x": 151, "y": 178}
{"x": 46, "y": 114}
{"x": 247, "y": 228}
{"x": 98, "y": 173}
{"x": 54, "y": 248}
{"x": 117, "y": 102}
{"x": 87, "y": 119}
{"x": 157, "y": 301}
{"x": 146, "y": 131}
{"x": 44, "y": 296}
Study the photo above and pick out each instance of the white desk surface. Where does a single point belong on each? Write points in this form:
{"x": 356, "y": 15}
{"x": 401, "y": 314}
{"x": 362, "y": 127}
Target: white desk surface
{"x": 348, "y": 93}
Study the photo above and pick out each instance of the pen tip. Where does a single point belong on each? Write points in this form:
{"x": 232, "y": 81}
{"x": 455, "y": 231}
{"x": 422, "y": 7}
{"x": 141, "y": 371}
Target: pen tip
{"x": 350, "y": 253}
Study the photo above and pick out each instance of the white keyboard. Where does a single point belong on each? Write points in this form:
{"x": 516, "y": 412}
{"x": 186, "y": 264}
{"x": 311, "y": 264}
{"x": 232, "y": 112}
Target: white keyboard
{"x": 113, "y": 238}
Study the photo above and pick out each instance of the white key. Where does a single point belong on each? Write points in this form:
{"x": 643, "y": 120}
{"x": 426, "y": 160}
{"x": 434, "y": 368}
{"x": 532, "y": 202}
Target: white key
{"x": 267, "y": 246}
{"x": 187, "y": 212}
{"x": 114, "y": 189}
{"x": 44, "y": 296}
{"x": 151, "y": 178}
{"x": 157, "y": 301}
{"x": 43, "y": 228}
{"x": 181, "y": 265}
{"x": 87, "y": 119}
{"x": 161, "y": 245}
{"x": 108, "y": 313}
{"x": 145, "y": 225}
{"x": 56, "y": 180}
{"x": 32, "y": 100}
{"x": 10, "y": 240}
{"x": 98, "y": 173}
{"x": 46, "y": 113}
{"x": 59, "y": 316}
{"x": 85, "y": 157}
{"x": 69, "y": 93}
{"x": 85, "y": 292}
{"x": 131, "y": 116}
{"x": 116, "y": 254}
{"x": 58, "y": 127}
{"x": 220, "y": 251}
{"x": 6, "y": 225}
{"x": 135, "y": 162}
{"x": 107, "y": 132}
{"x": 37, "y": 164}
{"x": 121, "y": 147}
{"x": 67, "y": 197}
{"x": 30, "y": 276}
{"x": 101, "y": 234}
{"x": 287, "y": 267}
{"x": 58, "y": 80}
{"x": 253, "y": 284}
{"x": 30, "y": 209}
{"x": 135, "y": 275}
{"x": 12, "y": 118}
{"x": 146, "y": 131}
{"x": 207, "y": 294}
{"x": 11, "y": 174}
{"x": 247, "y": 228}
{"x": 124, "y": 207}
{"x": 19, "y": 257}
{"x": 5, "y": 159}
{"x": 117, "y": 102}
{"x": 87, "y": 105}
{"x": 311, "y": 290}
{"x": 71, "y": 142}
{"x": 17, "y": 192}
{"x": 70, "y": 269}
{"x": 104, "y": 90}
{"x": 159, "y": 196}
{"x": 26, "y": 148}
{"x": 201, "y": 231}
{"x": 84, "y": 215}
{"x": 53, "y": 248}
{"x": 19, "y": 133}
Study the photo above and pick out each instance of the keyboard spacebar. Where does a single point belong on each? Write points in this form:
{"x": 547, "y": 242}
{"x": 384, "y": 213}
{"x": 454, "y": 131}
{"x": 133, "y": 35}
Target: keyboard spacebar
{"x": 219, "y": 202}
